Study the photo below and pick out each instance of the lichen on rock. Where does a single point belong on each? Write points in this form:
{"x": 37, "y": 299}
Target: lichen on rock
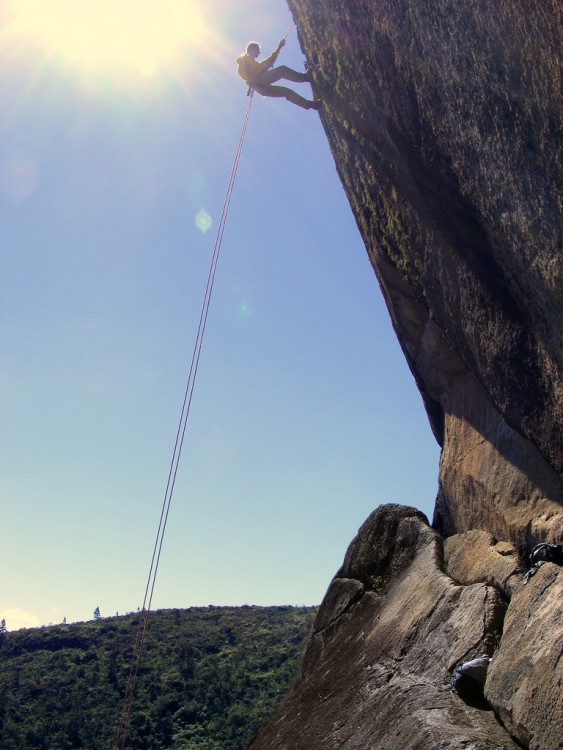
{"x": 445, "y": 123}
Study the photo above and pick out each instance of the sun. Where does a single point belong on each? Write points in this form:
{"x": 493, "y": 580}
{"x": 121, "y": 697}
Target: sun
{"x": 116, "y": 34}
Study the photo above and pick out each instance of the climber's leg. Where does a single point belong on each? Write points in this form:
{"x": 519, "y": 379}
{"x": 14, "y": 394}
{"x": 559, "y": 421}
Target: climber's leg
{"x": 276, "y": 74}
{"x": 285, "y": 93}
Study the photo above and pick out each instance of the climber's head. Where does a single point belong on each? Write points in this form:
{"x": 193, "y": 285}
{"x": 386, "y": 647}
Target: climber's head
{"x": 253, "y": 49}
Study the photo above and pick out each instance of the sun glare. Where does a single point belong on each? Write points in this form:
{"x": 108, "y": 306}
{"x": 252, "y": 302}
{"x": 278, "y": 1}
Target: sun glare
{"x": 137, "y": 34}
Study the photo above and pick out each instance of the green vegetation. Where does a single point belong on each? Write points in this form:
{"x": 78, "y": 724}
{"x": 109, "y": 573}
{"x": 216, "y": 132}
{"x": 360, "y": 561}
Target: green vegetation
{"x": 210, "y": 677}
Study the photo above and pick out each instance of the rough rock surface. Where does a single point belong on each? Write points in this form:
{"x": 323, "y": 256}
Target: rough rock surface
{"x": 388, "y": 636}
{"x": 478, "y": 556}
{"x": 524, "y": 680}
{"x": 445, "y": 122}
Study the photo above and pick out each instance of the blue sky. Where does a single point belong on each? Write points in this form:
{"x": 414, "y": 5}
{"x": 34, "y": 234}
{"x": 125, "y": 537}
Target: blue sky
{"x": 305, "y": 416}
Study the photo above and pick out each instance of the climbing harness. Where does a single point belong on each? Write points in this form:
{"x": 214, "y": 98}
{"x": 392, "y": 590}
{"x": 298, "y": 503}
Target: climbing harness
{"x": 552, "y": 553}
{"x": 127, "y": 707}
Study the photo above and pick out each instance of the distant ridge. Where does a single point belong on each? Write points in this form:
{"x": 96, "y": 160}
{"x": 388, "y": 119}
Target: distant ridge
{"x": 210, "y": 678}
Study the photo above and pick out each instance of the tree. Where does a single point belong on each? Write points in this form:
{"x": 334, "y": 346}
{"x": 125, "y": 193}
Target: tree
{"x": 97, "y": 614}
{"x": 3, "y": 628}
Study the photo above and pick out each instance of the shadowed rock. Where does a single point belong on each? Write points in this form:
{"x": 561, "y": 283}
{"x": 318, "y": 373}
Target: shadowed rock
{"x": 445, "y": 123}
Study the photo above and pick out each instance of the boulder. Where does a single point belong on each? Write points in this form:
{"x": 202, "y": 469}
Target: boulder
{"x": 524, "y": 680}
{"x": 523, "y": 683}
{"x": 387, "y": 639}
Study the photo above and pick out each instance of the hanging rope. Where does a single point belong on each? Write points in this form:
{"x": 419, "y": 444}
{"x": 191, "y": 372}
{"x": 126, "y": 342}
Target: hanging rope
{"x": 136, "y": 659}
{"x": 288, "y": 32}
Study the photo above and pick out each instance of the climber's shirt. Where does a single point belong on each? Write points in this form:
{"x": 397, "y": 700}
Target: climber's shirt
{"x": 249, "y": 67}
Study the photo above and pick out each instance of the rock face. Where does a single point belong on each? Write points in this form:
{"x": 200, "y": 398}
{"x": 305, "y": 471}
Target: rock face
{"x": 478, "y": 556}
{"x": 392, "y": 629}
{"x": 524, "y": 681}
{"x": 445, "y": 122}
{"x": 444, "y": 119}
{"x": 389, "y": 633}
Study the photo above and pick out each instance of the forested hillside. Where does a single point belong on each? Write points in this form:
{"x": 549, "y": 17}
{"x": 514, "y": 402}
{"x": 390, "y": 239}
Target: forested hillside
{"x": 209, "y": 678}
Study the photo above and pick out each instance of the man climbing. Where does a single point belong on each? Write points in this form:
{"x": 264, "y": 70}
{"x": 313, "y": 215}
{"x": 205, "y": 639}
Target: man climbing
{"x": 259, "y": 77}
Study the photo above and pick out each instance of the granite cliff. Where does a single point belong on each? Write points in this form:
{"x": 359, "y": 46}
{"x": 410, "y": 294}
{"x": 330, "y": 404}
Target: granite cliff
{"x": 445, "y": 121}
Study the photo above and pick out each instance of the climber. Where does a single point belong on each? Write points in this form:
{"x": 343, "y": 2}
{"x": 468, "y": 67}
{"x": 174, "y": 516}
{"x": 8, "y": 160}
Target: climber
{"x": 260, "y": 78}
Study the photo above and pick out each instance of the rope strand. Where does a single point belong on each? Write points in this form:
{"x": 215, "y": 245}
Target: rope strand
{"x": 288, "y": 32}
{"x": 136, "y": 659}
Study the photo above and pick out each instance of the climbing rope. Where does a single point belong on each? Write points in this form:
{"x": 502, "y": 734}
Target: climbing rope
{"x": 136, "y": 659}
{"x": 288, "y": 32}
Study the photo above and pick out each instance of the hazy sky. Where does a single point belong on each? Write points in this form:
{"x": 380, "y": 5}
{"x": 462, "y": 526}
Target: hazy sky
{"x": 117, "y": 137}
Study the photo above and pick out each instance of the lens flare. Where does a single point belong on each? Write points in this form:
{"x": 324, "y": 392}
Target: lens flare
{"x": 244, "y": 310}
{"x": 203, "y": 221}
{"x": 139, "y": 34}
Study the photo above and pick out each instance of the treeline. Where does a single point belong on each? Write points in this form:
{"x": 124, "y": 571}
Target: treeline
{"x": 210, "y": 677}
